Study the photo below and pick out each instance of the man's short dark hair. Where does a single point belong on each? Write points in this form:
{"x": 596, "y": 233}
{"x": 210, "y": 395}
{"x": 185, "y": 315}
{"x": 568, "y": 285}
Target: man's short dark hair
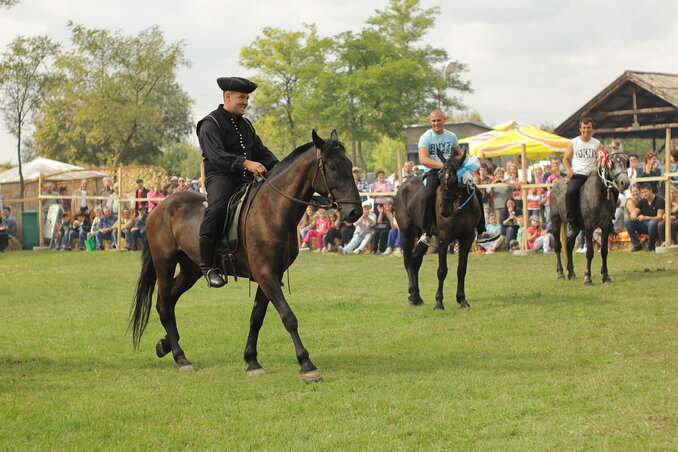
{"x": 6, "y": 207}
{"x": 634, "y": 155}
{"x": 483, "y": 165}
{"x": 645, "y": 186}
{"x": 586, "y": 121}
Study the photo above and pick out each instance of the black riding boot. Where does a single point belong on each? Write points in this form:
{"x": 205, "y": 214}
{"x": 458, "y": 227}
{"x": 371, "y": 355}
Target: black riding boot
{"x": 211, "y": 274}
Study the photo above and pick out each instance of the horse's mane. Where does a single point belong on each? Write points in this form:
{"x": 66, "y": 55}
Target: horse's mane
{"x": 288, "y": 161}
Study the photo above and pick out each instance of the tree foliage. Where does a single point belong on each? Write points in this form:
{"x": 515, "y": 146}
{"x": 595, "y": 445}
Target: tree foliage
{"x": 8, "y": 3}
{"x": 118, "y": 101}
{"x": 25, "y": 75}
{"x": 181, "y": 158}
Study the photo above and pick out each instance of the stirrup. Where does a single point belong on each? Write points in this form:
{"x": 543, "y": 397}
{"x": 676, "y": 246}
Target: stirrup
{"x": 213, "y": 278}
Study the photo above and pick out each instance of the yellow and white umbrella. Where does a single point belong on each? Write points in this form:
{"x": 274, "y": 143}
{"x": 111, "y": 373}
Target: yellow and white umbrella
{"x": 497, "y": 142}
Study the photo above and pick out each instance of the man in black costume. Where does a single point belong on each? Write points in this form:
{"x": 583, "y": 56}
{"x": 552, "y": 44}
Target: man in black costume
{"x": 232, "y": 153}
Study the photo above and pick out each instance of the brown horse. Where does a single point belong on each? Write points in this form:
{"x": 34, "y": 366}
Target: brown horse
{"x": 268, "y": 245}
{"x": 451, "y": 225}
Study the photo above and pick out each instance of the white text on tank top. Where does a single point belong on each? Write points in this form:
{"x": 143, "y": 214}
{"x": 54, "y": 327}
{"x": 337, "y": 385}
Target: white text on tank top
{"x": 584, "y": 154}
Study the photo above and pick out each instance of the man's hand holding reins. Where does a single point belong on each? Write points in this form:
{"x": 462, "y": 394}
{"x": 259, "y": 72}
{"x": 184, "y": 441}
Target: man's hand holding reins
{"x": 254, "y": 167}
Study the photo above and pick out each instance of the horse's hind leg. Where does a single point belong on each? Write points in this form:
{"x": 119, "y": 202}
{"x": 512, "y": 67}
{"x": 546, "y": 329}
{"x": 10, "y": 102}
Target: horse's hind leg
{"x": 169, "y": 291}
{"x": 570, "y": 260}
{"x": 604, "y": 243}
{"x": 412, "y": 262}
{"x": 442, "y": 274}
{"x": 589, "y": 256}
{"x": 256, "y": 320}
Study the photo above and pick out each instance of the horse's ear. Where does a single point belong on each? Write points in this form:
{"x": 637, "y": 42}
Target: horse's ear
{"x": 464, "y": 148}
{"x": 441, "y": 156}
{"x": 319, "y": 142}
{"x": 334, "y": 136}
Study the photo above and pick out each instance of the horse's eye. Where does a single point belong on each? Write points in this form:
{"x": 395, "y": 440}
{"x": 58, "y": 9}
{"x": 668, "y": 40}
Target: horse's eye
{"x": 333, "y": 167}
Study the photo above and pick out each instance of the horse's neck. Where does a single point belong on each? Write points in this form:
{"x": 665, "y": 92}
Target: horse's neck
{"x": 295, "y": 182}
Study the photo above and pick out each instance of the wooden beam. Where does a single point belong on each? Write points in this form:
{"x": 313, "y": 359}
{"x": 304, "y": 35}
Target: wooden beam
{"x": 635, "y": 106}
{"x": 672, "y": 125}
{"x": 643, "y": 111}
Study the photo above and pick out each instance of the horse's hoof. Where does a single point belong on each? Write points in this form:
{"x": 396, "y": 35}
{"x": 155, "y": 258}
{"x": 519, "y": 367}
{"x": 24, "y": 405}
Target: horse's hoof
{"x": 464, "y": 304}
{"x": 607, "y": 280}
{"x": 187, "y": 368}
{"x": 311, "y": 377}
{"x": 256, "y": 371}
{"x": 588, "y": 282}
{"x": 560, "y": 277}
{"x": 418, "y": 302}
{"x": 571, "y": 276}
{"x": 162, "y": 348}
{"x": 439, "y": 308}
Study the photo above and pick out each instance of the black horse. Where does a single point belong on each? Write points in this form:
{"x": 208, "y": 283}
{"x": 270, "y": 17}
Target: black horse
{"x": 597, "y": 205}
{"x": 267, "y": 235}
{"x": 457, "y": 215}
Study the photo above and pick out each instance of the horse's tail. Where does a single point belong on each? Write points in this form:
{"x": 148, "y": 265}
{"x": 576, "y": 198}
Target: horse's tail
{"x": 141, "y": 308}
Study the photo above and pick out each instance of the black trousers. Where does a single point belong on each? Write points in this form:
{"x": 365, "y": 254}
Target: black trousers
{"x": 572, "y": 198}
{"x": 220, "y": 188}
{"x": 428, "y": 201}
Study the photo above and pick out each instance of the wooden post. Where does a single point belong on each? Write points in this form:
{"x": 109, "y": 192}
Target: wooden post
{"x": 120, "y": 208}
{"x": 523, "y": 192}
{"x": 667, "y": 190}
{"x": 41, "y": 226}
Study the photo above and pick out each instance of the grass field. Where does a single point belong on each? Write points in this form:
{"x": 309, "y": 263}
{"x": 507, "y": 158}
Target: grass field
{"x": 535, "y": 364}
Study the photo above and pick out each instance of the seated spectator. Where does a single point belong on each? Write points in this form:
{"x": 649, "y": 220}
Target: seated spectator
{"x": 306, "y": 223}
{"x": 517, "y": 243}
{"x": 509, "y": 220}
{"x": 538, "y": 238}
{"x": 382, "y": 226}
{"x": 381, "y": 185}
{"x": 347, "y": 229}
{"x": 182, "y": 185}
{"x": 155, "y": 193}
{"x": 141, "y": 192}
{"x": 64, "y": 228}
{"x": 490, "y": 240}
{"x": 320, "y": 226}
{"x": 105, "y": 229}
{"x": 126, "y": 224}
{"x": 393, "y": 241}
{"x": 90, "y": 239}
{"x": 106, "y": 191}
{"x": 673, "y": 216}
{"x": 363, "y": 231}
{"x": 651, "y": 212}
{"x": 334, "y": 232}
{"x": 651, "y": 169}
{"x": 73, "y": 232}
{"x": 138, "y": 230}
{"x": 8, "y": 228}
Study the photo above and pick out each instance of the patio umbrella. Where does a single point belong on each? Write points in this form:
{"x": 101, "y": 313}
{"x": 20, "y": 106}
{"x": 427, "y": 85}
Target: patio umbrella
{"x": 538, "y": 143}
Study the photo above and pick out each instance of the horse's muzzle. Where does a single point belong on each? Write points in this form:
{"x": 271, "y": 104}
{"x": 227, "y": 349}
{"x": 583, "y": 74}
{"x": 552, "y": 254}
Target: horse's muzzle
{"x": 353, "y": 214}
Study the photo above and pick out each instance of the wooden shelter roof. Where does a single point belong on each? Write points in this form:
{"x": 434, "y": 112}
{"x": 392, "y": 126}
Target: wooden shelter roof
{"x": 635, "y": 105}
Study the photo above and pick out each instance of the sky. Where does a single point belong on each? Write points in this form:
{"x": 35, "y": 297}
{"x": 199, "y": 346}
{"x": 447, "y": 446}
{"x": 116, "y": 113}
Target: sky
{"x": 536, "y": 62}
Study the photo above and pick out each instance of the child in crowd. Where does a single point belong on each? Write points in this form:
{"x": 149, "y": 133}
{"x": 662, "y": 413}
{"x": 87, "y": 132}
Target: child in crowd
{"x": 493, "y": 232}
{"x": 517, "y": 243}
{"x": 320, "y": 227}
{"x": 538, "y": 238}
{"x": 534, "y": 201}
{"x": 334, "y": 232}
{"x": 306, "y": 222}
{"x": 65, "y": 226}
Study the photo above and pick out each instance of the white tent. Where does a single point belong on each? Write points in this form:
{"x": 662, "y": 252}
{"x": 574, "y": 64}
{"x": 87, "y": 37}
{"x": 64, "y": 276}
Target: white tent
{"x": 50, "y": 169}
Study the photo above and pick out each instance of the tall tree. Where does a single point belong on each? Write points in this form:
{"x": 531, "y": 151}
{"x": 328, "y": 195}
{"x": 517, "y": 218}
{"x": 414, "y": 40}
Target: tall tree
{"x": 24, "y": 76}
{"x": 118, "y": 102}
{"x": 8, "y": 3}
{"x": 288, "y": 64}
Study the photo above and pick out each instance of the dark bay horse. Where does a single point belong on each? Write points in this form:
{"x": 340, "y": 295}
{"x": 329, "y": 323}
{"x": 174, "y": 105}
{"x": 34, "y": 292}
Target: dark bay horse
{"x": 267, "y": 245}
{"x": 459, "y": 224}
{"x": 597, "y": 206}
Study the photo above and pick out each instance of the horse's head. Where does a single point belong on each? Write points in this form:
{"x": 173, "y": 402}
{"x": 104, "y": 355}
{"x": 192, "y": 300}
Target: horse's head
{"x": 449, "y": 183}
{"x": 615, "y": 163}
{"x": 334, "y": 179}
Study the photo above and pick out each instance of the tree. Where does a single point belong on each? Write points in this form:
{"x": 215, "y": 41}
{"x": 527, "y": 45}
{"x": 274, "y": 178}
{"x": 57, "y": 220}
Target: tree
{"x": 288, "y": 65}
{"x": 181, "y": 158}
{"x": 24, "y": 77}
{"x": 8, "y": 3}
{"x": 118, "y": 102}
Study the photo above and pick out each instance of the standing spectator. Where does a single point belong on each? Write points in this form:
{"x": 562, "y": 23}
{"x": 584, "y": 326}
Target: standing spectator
{"x": 381, "y": 185}
{"x": 80, "y": 197}
{"x": 156, "y": 193}
{"x": 633, "y": 171}
{"x": 673, "y": 167}
{"x": 105, "y": 229}
{"x": 554, "y": 170}
{"x": 408, "y": 171}
{"x": 500, "y": 194}
{"x": 174, "y": 183}
{"x": 651, "y": 209}
{"x": 65, "y": 200}
{"x": 141, "y": 192}
{"x": 114, "y": 199}
{"x": 489, "y": 164}
{"x": 363, "y": 231}
{"x": 182, "y": 185}
{"x": 534, "y": 202}
{"x": 47, "y": 203}
{"x": 138, "y": 231}
{"x": 8, "y": 228}
{"x": 360, "y": 184}
{"x": 538, "y": 175}
{"x": 106, "y": 191}
{"x": 651, "y": 169}
{"x": 673, "y": 217}
{"x": 538, "y": 238}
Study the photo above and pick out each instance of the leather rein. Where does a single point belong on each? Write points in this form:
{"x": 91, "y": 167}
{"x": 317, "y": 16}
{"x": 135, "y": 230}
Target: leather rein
{"x": 334, "y": 203}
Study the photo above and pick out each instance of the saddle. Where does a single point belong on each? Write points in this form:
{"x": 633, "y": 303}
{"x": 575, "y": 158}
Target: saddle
{"x": 229, "y": 240}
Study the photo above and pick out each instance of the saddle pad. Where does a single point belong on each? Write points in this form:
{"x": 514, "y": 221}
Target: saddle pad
{"x": 229, "y": 240}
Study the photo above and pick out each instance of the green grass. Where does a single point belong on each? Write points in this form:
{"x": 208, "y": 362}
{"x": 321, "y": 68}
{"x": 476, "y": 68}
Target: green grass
{"x": 534, "y": 364}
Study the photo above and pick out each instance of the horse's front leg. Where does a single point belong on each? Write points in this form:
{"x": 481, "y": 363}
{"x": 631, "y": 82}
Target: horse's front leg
{"x": 557, "y": 247}
{"x": 256, "y": 320}
{"x": 570, "y": 260}
{"x": 464, "y": 248}
{"x": 589, "y": 256}
{"x": 270, "y": 285}
{"x": 442, "y": 274}
{"x": 604, "y": 243}
{"x": 412, "y": 262}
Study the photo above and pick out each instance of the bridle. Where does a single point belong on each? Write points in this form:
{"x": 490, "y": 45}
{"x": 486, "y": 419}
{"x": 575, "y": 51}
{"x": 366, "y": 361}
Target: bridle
{"x": 320, "y": 168}
{"x": 605, "y": 167}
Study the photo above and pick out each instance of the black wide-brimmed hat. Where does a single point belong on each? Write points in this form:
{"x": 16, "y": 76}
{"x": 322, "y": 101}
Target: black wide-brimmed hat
{"x": 236, "y": 84}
